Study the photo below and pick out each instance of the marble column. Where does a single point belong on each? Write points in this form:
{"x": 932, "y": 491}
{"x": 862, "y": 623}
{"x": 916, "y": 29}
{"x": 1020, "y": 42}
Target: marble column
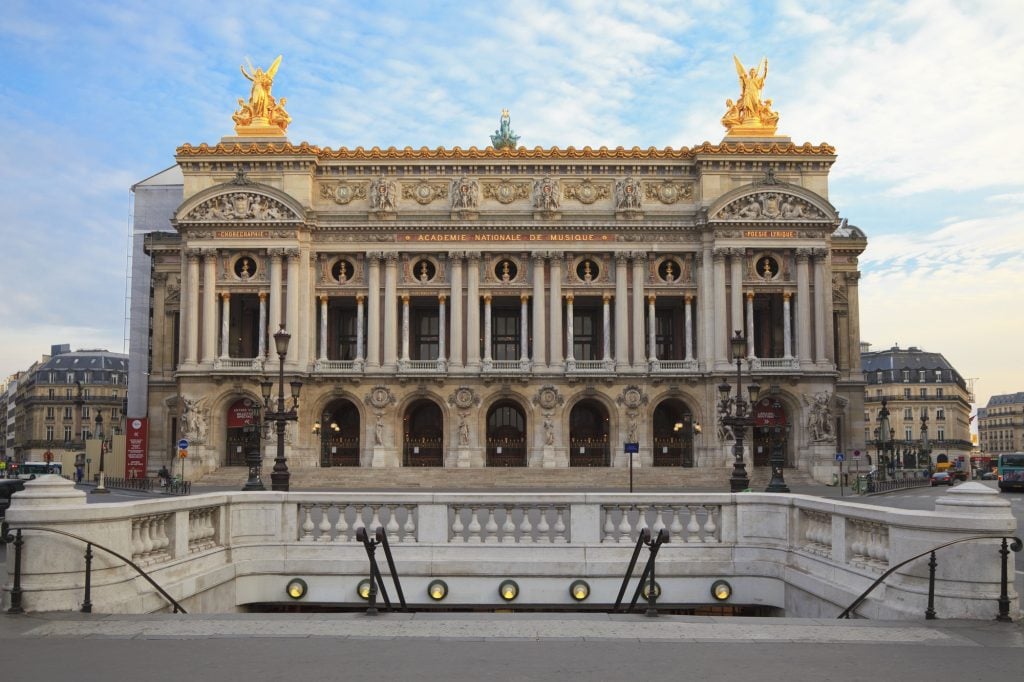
{"x": 473, "y": 311}
{"x": 707, "y": 317}
{"x": 292, "y": 303}
{"x": 720, "y": 321}
{"x": 750, "y": 324}
{"x": 192, "y": 347}
{"x": 827, "y": 309}
{"x": 639, "y": 278}
{"x": 570, "y": 359}
{"x": 621, "y": 314}
{"x": 820, "y": 309}
{"x": 606, "y": 328}
{"x": 735, "y": 292}
{"x": 405, "y": 329}
{"x": 373, "y": 316}
{"x": 323, "y": 328}
{"x": 853, "y": 311}
{"x": 442, "y": 331}
{"x": 539, "y": 326}
{"x": 803, "y": 307}
{"x": 209, "y": 306}
{"x": 358, "y": 362}
{"x": 688, "y": 301}
{"x": 487, "y": 331}
{"x": 262, "y": 341}
{"x": 455, "y": 262}
{"x": 524, "y": 329}
{"x": 390, "y": 310}
{"x": 225, "y": 323}
{"x": 652, "y": 331}
{"x": 276, "y": 294}
{"x": 787, "y": 326}
{"x": 555, "y": 286}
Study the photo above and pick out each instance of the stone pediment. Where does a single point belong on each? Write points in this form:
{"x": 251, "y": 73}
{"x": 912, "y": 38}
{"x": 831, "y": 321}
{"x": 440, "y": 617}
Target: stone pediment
{"x": 773, "y": 203}
{"x": 241, "y": 201}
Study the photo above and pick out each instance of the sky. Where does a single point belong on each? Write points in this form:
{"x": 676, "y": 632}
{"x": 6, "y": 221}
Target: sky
{"x": 915, "y": 96}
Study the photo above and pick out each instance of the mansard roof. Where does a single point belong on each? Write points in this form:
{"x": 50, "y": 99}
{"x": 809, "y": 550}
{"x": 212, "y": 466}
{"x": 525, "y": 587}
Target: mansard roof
{"x": 1006, "y": 399}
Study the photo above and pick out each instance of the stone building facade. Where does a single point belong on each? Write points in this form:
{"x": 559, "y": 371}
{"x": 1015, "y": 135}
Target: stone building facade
{"x": 1001, "y": 424}
{"x": 510, "y": 307}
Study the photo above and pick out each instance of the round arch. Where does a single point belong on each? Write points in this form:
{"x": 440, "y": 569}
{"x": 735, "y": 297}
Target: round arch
{"x": 423, "y": 434}
{"x": 673, "y": 427}
{"x": 506, "y": 434}
{"x": 589, "y": 434}
{"x": 772, "y": 430}
{"x": 340, "y": 430}
{"x": 241, "y": 428}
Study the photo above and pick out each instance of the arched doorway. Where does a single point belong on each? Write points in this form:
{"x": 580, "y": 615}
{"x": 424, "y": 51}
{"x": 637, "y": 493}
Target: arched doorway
{"x": 588, "y": 435}
{"x": 506, "y": 435}
{"x": 243, "y": 430}
{"x": 423, "y": 428}
{"x": 339, "y": 431}
{"x": 673, "y": 434}
{"x": 771, "y": 431}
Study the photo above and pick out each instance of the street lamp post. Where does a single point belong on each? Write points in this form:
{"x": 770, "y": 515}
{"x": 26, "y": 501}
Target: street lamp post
{"x": 778, "y": 482}
{"x": 736, "y": 413}
{"x": 280, "y": 477}
{"x": 883, "y": 434}
{"x": 100, "y": 487}
{"x": 925, "y": 452}
{"x": 253, "y": 455}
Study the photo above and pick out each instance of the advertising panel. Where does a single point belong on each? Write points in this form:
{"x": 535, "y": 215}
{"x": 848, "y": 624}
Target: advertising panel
{"x": 136, "y": 448}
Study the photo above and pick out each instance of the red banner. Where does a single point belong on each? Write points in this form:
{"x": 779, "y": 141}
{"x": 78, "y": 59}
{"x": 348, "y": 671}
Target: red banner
{"x": 769, "y": 412}
{"x": 136, "y": 446}
{"x": 243, "y": 413}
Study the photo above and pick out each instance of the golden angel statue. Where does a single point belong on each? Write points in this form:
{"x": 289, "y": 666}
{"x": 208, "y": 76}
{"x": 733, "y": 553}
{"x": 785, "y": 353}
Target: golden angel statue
{"x": 262, "y": 115}
{"x": 750, "y": 115}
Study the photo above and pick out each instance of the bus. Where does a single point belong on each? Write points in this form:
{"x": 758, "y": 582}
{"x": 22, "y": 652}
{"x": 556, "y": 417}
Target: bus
{"x": 30, "y": 470}
{"x": 1011, "y": 471}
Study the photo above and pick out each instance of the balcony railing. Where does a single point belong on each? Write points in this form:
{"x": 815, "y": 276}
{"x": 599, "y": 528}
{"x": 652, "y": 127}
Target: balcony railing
{"x": 659, "y": 366}
{"x": 239, "y": 363}
{"x": 507, "y": 367}
{"x": 774, "y": 364}
{"x": 421, "y": 366}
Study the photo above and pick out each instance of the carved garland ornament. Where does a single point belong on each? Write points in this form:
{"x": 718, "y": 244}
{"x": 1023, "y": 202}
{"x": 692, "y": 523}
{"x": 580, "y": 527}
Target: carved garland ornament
{"x": 342, "y": 192}
{"x": 379, "y": 397}
{"x": 587, "y": 192}
{"x": 548, "y": 398}
{"x": 241, "y": 206}
{"x": 669, "y": 192}
{"x": 463, "y": 398}
{"x": 770, "y": 206}
{"x": 632, "y": 397}
{"x": 424, "y": 192}
{"x": 506, "y": 191}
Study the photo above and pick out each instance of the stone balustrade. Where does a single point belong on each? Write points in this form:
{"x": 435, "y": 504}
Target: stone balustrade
{"x": 804, "y": 555}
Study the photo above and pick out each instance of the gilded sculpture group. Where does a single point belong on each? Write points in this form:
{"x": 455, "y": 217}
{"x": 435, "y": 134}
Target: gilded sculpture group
{"x": 749, "y": 115}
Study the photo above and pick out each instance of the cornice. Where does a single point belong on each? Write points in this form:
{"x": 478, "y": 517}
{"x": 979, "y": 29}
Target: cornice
{"x": 457, "y": 153}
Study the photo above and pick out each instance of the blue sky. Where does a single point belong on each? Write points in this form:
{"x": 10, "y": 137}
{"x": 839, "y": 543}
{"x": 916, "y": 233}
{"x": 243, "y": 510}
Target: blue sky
{"x": 921, "y": 100}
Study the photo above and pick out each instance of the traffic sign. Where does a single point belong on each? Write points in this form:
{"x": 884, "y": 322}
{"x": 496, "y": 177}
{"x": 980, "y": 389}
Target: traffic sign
{"x": 856, "y": 454}
{"x": 840, "y": 457}
{"x": 183, "y": 453}
{"x": 183, "y": 444}
{"x": 632, "y": 448}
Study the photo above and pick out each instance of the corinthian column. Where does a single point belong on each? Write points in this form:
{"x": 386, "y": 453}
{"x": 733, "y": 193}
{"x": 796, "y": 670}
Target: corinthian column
{"x": 358, "y": 362}
{"x": 390, "y": 310}
{"x": 556, "y": 312}
{"x": 750, "y": 324}
{"x": 442, "y": 330}
{"x": 373, "y": 317}
{"x": 539, "y": 331}
{"x": 292, "y": 306}
{"x": 455, "y": 261}
{"x": 803, "y": 307}
{"x": 405, "y": 330}
{"x": 621, "y": 319}
{"x": 606, "y": 328}
{"x": 276, "y": 294}
{"x": 787, "y": 326}
{"x": 720, "y": 316}
{"x": 736, "y": 291}
{"x": 570, "y": 360}
{"x": 689, "y": 327}
{"x": 473, "y": 311}
{"x": 524, "y": 329}
{"x": 209, "y": 305}
{"x": 192, "y": 345}
{"x": 821, "y": 308}
{"x": 639, "y": 261}
{"x": 225, "y": 323}
{"x": 323, "y": 328}
{"x": 262, "y": 341}
{"x": 652, "y": 339}
{"x": 487, "y": 331}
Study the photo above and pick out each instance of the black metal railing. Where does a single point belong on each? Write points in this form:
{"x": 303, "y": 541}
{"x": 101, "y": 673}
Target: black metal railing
{"x": 376, "y": 580}
{"x": 149, "y": 485}
{"x": 870, "y": 484}
{"x": 929, "y": 614}
{"x": 18, "y": 541}
{"x": 647, "y": 577}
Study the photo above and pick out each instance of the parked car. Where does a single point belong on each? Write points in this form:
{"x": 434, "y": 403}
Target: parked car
{"x": 989, "y": 476}
{"x": 942, "y": 478}
{"x": 8, "y": 487}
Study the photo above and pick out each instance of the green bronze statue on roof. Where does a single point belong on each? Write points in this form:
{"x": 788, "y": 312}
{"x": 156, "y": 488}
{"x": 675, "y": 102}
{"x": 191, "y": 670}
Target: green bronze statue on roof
{"x": 504, "y": 137}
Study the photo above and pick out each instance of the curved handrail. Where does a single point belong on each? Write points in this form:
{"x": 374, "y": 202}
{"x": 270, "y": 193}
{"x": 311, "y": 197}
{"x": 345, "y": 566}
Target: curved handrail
{"x": 1016, "y": 546}
{"x": 177, "y": 607}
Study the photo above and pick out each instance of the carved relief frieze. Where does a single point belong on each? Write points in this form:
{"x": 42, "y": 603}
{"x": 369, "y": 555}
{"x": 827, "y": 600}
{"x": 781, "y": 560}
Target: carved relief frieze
{"x": 548, "y": 397}
{"x": 379, "y": 397}
{"x": 627, "y": 195}
{"x": 383, "y": 194}
{"x": 241, "y": 206}
{"x": 545, "y": 194}
{"x": 464, "y": 398}
{"x": 506, "y": 191}
{"x": 587, "y": 192}
{"x": 465, "y": 193}
{"x": 632, "y": 397}
{"x": 770, "y": 206}
{"x": 424, "y": 192}
{"x": 343, "y": 192}
{"x": 669, "y": 192}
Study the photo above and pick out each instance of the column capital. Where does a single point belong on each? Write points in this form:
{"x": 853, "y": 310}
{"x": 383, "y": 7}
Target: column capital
{"x": 225, "y": 295}
{"x": 719, "y": 254}
{"x": 405, "y": 299}
{"x": 487, "y": 298}
{"x": 474, "y": 257}
{"x": 622, "y": 257}
{"x": 293, "y": 254}
{"x": 852, "y": 277}
{"x": 262, "y": 295}
{"x": 193, "y": 255}
{"x": 360, "y": 298}
{"x": 538, "y": 258}
{"x": 750, "y": 295}
{"x": 569, "y": 298}
{"x": 456, "y": 255}
{"x": 374, "y": 256}
{"x": 802, "y": 255}
{"x": 442, "y": 298}
{"x": 688, "y": 298}
{"x": 523, "y": 298}
{"x": 651, "y": 298}
{"x": 555, "y": 257}
{"x": 391, "y": 259}
{"x": 786, "y": 295}
{"x": 276, "y": 253}
{"x": 323, "y": 298}
{"x": 820, "y": 253}
{"x": 605, "y": 298}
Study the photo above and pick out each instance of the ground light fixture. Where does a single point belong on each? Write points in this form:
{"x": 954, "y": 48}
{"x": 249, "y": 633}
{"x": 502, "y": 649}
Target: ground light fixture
{"x": 437, "y": 590}
{"x": 508, "y": 589}
{"x": 646, "y": 591}
{"x": 363, "y": 588}
{"x": 579, "y": 590}
{"x": 721, "y": 590}
{"x": 296, "y": 588}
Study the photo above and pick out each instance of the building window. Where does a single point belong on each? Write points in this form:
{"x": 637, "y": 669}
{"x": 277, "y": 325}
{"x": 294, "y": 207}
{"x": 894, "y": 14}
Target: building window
{"x": 908, "y": 413}
{"x": 70, "y": 377}
{"x": 906, "y": 375}
{"x": 49, "y": 412}
{"x": 923, "y": 392}
{"x": 906, "y": 393}
{"x": 663, "y": 335}
{"x": 67, "y": 393}
{"x": 50, "y": 394}
{"x": 941, "y": 433}
{"x": 114, "y": 394}
{"x": 67, "y": 434}
{"x": 50, "y": 380}
{"x": 505, "y": 334}
{"x": 938, "y": 376}
{"x": 940, "y": 413}
{"x": 49, "y": 433}
{"x": 88, "y": 377}
{"x": 878, "y": 378}
{"x": 867, "y": 435}
{"x": 878, "y": 393}
{"x": 921, "y": 374}
{"x": 908, "y": 433}
{"x": 924, "y": 411}
{"x": 67, "y": 413}
{"x": 85, "y": 434}
{"x": 938, "y": 393}
{"x": 85, "y": 412}
{"x": 587, "y": 338}
{"x": 85, "y": 393}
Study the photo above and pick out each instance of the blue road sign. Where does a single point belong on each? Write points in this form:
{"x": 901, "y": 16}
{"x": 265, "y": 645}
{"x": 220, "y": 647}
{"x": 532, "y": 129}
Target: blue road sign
{"x": 632, "y": 448}
{"x": 183, "y": 444}
{"x": 840, "y": 457}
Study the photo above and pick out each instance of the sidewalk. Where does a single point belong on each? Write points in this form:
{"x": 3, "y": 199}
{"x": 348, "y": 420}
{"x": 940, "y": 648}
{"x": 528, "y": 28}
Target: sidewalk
{"x": 513, "y": 646}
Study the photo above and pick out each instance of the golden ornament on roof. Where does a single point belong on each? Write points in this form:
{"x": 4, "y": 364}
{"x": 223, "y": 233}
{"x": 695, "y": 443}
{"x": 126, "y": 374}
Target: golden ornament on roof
{"x": 262, "y": 115}
{"x": 750, "y": 116}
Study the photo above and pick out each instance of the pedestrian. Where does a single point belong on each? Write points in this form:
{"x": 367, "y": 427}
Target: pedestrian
{"x": 79, "y": 473}
{"x": 164, "y": 475}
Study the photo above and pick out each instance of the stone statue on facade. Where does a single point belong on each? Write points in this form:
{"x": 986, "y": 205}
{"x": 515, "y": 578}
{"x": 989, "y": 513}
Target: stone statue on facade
{"x": 262, "y": 114}
{"x": 463, "y": 429}
{"x": 549, "y": 429}
{"x": 465, "y": 194}
{"x": 819, "y": 417}
{"x": 627, "y": 195}
{"x": 545, "y": 194}
{"x": 378, "y": 430}
{"x": 750, "y": 115}
{"x": 504, "y": 136}
{"x": 193, "y": 419}
{"x": 383, "y": 194}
